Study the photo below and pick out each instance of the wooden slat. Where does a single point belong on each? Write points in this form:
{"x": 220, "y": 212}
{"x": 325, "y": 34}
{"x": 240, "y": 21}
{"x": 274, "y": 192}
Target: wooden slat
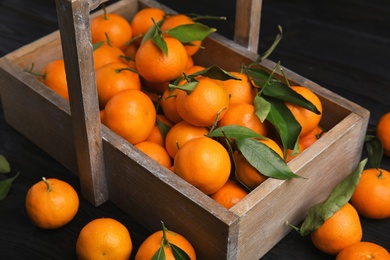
{"x": 247, "y": 26}
{"x": 73, "y": 21}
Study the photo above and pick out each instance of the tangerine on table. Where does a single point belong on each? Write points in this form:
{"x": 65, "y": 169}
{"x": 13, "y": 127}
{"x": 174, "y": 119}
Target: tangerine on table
{"x": 205, "y": 105}
{"x": 156, "y": 152}
{"x": 154, "y": 66}
{"x": 152, "y": 244}
{"x": 104, "y": 238}
{"x": 383, "y": 132}
{"x": 363, "y": 251}
{"x": 371, "y": 197}
{"x": 306, "y": 118}
{"x": 54, "y": 76}
{"x": 240, "y": 91}
{"x": 339, "y": 231}
{"x": 143, "y": 20}
{"x": 112, "y": 26}
{"x": 175, "y": 20}
{"x": 181, "y": 133}
{"x": 131, "y": 114}
{"x": 51, "y": 203}
{"x": 230, "y": 194}
{"x": 243, "y": 114}
{"x": 114, "y": 77}
{"x": 204, "y": 163}
{"x": 246, "y": 173}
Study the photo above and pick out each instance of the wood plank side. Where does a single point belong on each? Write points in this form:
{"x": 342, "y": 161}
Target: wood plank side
{"x": 150, "y": 193}
{"x": 73, "y": 20}
{"x": 38, "y": 113}
{"x": 265, "y": 212}
{"x": 247, "y": 23}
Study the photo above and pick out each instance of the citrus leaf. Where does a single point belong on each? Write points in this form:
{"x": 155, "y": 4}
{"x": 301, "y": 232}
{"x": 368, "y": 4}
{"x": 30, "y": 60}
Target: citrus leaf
{"x": 214, "y": 72}
{"x": 160, "y": 254}
{"x": 164, "y": 128}
{"x": 4, "y": 165}
{"x": 5, "y": 186}
{"x": 190, "y": 32}
{"x": 339, "y": 196}
{"x": 260, "y": 76}
{"x": 264, "y": 159}
{"x": 178, "y": 253}
{"x": 284, "y": 122}
{"x": 374, "y": 149}
{"x": 188, "y": 87}
{"x": 152, "y": 32}
{"x": 283, "y": 92}
{"x": 160, "y": 42}
{"x": 234, "y": 131}
{"x": 262, "y": 108}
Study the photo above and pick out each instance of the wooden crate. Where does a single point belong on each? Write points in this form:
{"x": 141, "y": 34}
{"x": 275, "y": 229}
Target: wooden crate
{"x": 149, "y": 193}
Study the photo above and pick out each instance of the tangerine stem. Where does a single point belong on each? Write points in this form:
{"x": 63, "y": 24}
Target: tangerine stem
{"x": 164, "y": 238}
{"x": 47, "y": 184}
{"x": 380, "y": 176}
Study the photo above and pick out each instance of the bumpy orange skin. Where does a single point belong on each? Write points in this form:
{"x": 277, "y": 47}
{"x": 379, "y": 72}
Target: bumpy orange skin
{"x": 131, "y": 114}
{"x": 152, "y": 244}
{"x": 339, "y": 231}
{"x": 204, "y": 106}
{"x": 204, "y": 163}
{"x": 230, "y": 194}
{"x": 104, "y": 238}
{"x": 383, "y": 133}
{"x": 240, "y": 90}
{"x": 51, "y": 209}
{"x": 156, "y": 152}
{"x": 55, "y": 77}
{"x": 363, "y": 251}
{"x": 306, "y": 118}
{"x": 371, "y": 197}
{"x": 156, "y": 67}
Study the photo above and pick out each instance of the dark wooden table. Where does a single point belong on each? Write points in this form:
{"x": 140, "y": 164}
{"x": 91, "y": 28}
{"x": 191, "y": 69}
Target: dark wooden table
{"x": 341, "y": 45}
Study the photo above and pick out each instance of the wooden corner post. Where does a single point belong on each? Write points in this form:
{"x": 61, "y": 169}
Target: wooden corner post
{"x": 247, "y": 25}
{"x": 77, "y": 49}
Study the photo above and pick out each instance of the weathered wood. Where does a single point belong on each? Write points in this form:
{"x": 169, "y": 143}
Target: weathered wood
{"x": 74, "y": 24}
{"x": 247, "y": 25}
{"x": 150, "y": 193}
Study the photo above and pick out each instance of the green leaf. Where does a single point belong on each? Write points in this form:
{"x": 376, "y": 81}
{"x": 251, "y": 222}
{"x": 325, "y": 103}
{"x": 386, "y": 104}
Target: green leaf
{"x": 214, "y": 72}
{"x": 188, "y": 87}
{"x": 261, "y": 76}
{"x": 374, "y": 149}
{"x": 178, "y": 253}
{"x": 190, "y": 32}
{"x": 160, "y": 254}
{"x": 5, "y": 186}
{"x": 152, "y": 32}
{"x": 284, "y": 122}
{"x": 160, "y": 42}
{"x": 4, "y": 165}
{"x": 262, "y": 108}
{"x": 287, "y": 94}
{"x": 234, "y": 131}
{"x": 339, "y": 196}
{"x": 164, "y": 128}
{"x": 264, "y": 159}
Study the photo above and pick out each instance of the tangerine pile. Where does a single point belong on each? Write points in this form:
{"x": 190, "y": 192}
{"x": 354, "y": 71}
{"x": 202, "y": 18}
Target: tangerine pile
{"x": 142, "y": 68}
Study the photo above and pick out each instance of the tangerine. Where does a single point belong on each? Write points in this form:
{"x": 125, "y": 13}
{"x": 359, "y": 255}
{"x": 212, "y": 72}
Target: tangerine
{"x": 383, "y": 132}
{"x": 339, "y": 231}
{"x": 143, "y": 20}
{"x": 156, "y": 152}
{"x": 53, "y": 75}
{"x": 240, "y": 91}
{"x": 104, "y": 238}
{"x": 51, "y": 203}
{"x": 363, "y": 251}
{"x": 306, "y": 118}
{"x": 230, "y": 194}
{"x": 371, "y": 197}
{"x": 131, "y": 114}
{"x": 204, "y": 163}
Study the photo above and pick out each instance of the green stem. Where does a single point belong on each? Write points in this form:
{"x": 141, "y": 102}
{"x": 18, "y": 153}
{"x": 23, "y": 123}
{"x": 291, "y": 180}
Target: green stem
{"x": 47, "y": 184}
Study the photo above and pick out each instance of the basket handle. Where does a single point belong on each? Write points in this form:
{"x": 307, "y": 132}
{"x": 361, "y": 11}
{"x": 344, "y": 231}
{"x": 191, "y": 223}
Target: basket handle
{"x": 74, "y": 25}
{"x": 247, "y": 25}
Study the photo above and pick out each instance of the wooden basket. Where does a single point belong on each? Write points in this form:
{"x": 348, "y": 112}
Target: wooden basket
{"x": 111, "y": 168}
